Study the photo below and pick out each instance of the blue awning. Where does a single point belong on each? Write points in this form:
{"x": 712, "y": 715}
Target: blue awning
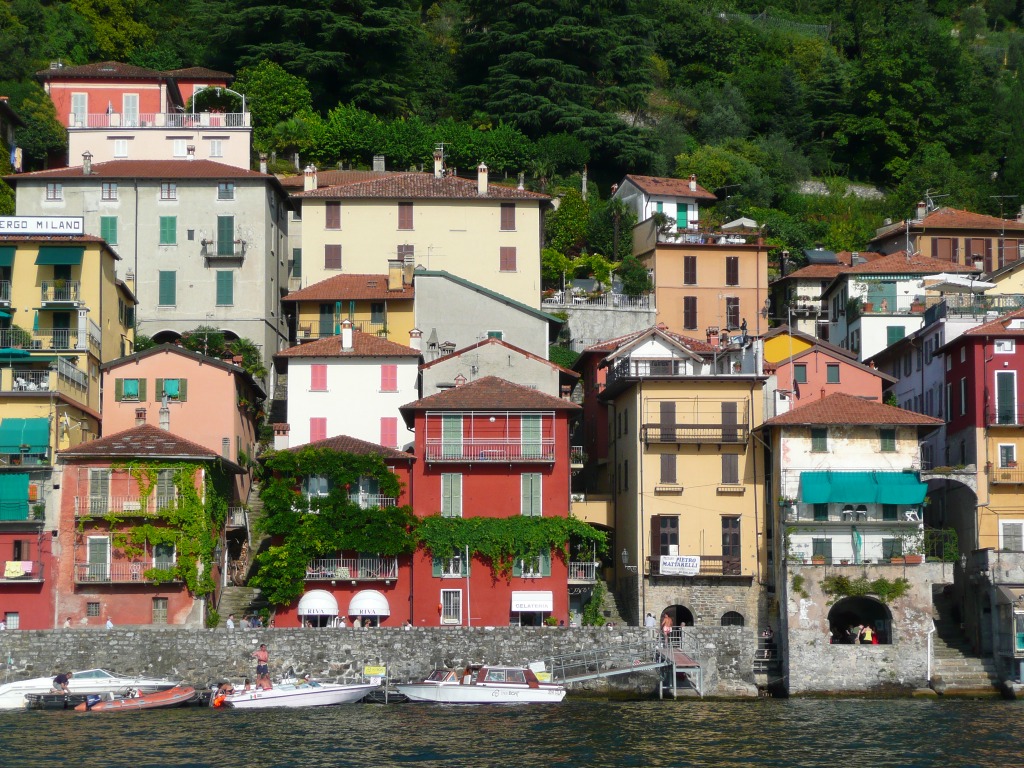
{"x": 24, "y": 435}
{"x": 861, "y": 488}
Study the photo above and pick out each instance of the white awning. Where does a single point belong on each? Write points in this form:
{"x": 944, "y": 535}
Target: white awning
{"x": 526, "y": 602}
{"x": 369, "y": 602}
{"x": 318, "y": 602}
{"x": 947, "y": 283}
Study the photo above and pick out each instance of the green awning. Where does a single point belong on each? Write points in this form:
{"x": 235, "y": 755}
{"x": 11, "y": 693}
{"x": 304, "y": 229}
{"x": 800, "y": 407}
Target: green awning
{"x": 14, "y": 496}
{"x": 54, "y": 255}
{"x": 5, "y": 315}
{"x": 15, "y": 433}
{"x": 861, "y": 488}
{"x": 7, "y": 255}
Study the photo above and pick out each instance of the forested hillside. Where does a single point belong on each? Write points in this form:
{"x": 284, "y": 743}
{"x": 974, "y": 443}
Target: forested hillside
{"x": 905, "y": 94}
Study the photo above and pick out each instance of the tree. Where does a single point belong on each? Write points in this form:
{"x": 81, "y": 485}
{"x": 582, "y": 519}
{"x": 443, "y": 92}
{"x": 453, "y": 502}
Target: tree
{"x": 635, "y": 279}
{"x": 565, "y": 229}
{"x": 273, "y": 96}
{"x": 42, "y": 136}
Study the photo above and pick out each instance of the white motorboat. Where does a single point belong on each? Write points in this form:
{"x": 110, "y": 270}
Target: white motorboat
{"x": 484, "y": 685}
{"x": 296, "y": 693}
{"x": 89, "y": 681}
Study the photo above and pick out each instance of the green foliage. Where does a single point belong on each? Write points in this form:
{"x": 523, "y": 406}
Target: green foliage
{"x": 211, "y": 342}
{"x": 610, "y": 229}
{"x": 593, "y": 611}
{"x": 798, "y": 586}
{"x": 554, "y": 268}
{"x": 565, "y": 230}
{"x": 272, "y": 96}
{"x": 212, "y": 618}
{"x": 562, "y": 356}
{"x": 502, "y": 541}
{"x": 891, "y": 399}
{"x": 42, "y": 135}
{"x": 143, "y": 342}
{"x": 838, "y": 587}
{"x": 635, "y": 279}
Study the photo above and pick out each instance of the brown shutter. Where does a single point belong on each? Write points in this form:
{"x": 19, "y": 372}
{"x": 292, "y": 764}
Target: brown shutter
{"x": 729, "y": 434}
{"x": 732, "y": 270}
{"x": 332, "y": 256}
{"x": 667, "y": 421}
{"x": 988, "y": 254}
{"x": 405, "y": 215}
{"x": 955, "y": 258}
{"x": 690, "y": 313}
{"x": 508, "y": 216}
{"x": 655, "y": 536}
{"x": 508, "y": 259}
{"x": 689, "y": 270}
{"x": 333, "y": 215}
{"x": 668, "y": 468}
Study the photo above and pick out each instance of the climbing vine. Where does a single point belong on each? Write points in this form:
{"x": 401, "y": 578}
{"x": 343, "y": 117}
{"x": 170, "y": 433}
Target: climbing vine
{"x": 838, "y": 587}
{"x": 593, "y": 611}
{"x": 798, "y": 586}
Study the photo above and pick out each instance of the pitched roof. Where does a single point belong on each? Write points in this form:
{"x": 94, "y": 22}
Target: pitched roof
{"x": 201, "y": 73}
{"x": 329, "y": 178}
{"x": 843, "y": 358}
{"x": 145, "y": 441}
{"x": 610, "y": 345}
{"x": 814, "y": 341}
{"x": 950, "y": 218}
{"x": 998, "y": 327}
{"x": 102, "y": 69}
{"x": 346, "y": 444}
{"x": 341, "y": 287}
{"x": 363, "y": 345}
{"x": 828, "y": 271}
{"x": 149, "y": 169}
{"x": 900, "y": 263}
{"x": 198, "y": 357}
{"x": 842, "y": 409}
{"x": 661, "y": 185}
{"x": 422, "y": 185}
{"x": 488, "y": 393}
{"x": 486, "y": 292}
{"x": 500, "y": 343}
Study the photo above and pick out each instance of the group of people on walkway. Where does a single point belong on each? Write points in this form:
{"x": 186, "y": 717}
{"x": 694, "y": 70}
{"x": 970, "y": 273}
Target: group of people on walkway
{"x": 856, "y": 634}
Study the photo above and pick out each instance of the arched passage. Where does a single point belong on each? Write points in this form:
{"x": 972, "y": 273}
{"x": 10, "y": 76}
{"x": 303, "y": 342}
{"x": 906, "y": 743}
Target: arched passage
{"x": 166, "y": 337}
{"x": 732, "y": 619}
{"x": 681, "y": 615}
{"x": 848, "y": 615}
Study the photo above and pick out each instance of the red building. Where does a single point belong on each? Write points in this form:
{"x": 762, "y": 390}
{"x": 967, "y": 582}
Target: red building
{"x": 26, "y": 549}
{"x": 494, "y": 449}
{"x": 127, "y": 542}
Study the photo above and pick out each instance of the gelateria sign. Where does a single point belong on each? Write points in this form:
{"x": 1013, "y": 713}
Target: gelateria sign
{"x": 42, "y": 225}
{"x": 679, "y": 565}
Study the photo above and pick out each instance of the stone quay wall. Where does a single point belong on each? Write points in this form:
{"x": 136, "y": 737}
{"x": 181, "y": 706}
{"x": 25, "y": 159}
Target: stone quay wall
{"x": 200, "y": 657}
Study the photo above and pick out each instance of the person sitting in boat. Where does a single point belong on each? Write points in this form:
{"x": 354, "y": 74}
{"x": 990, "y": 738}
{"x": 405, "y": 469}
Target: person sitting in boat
{"x": 60, "y": 682}
{"x": 247, "y": 687}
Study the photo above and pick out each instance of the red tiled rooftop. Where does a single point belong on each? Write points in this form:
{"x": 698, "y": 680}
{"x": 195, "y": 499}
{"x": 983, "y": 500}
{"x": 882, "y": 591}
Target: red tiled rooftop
{"x": 363, "y": 345}
{"x": 952, "y": 218}
{"x": 329, "y": 178}
{"x": 998, "y": 327}
{"x": 101, "y": 69}
{"x": 662, "y": 185}
{"x": 199, "y": 73}
{"x": 143, "y": 441}
{"x": 610, "y": 345}
{"x": 900, "y": 263}
{"x": 346, "y": 444}
{"x": 148, "y": 169}
{"x": 421, "y": 185}
{"x": 343, "y": 287}
{"x": 842, "y": 409}
{"x": 490, "y": 393}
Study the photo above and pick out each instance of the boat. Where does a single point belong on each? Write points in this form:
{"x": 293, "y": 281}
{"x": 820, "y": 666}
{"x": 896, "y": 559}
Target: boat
{"x": 484, "y": 685}
{"x": 295, "y": 693}
{"x": 135, "y": 701}
{"x": 88, "y": 681}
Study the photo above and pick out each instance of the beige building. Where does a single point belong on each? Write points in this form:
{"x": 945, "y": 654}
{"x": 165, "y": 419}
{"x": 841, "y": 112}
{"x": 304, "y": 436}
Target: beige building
{"x": 486, "y": 233}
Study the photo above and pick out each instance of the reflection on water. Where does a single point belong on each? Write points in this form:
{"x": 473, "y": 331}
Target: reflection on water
{"x": 800, "y": 732}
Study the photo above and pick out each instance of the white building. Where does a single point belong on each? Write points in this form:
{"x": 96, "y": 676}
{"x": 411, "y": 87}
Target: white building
{"x": 676, "y": 199}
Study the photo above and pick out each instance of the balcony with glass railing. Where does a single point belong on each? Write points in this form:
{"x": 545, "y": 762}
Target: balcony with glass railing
{"x": 353, "y": 569}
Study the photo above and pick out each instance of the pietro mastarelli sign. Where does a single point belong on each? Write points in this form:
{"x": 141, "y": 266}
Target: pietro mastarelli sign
{"x": 679, "y": 565}
{"x": 42, "y": 225}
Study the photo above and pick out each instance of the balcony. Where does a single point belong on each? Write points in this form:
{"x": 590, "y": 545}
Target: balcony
{"x": 903, "y": 516}
{"x": 577, "y": 456}
{"x": 696, "y": 433}
{"x": 710, "y": 565}
{"x": 159, "y": 120}
{"x": 490, "y": 450}
{"x": 212, "y": 249}
{"x": 66, "y": 379}
{"x": 1004, "y": 416}
{"x": 21, "y": 572}
{"x": 117, "y": 573}
{"x": 372, "y": 500}
{"x": 236, "y": 517}
{"x": 1006, "y": 476}
{"x": 571, "y": 300}
{"x": 5, "y": 293}
{"x": 60, "y": 292}
{"x": 583, "y": 573}
{"x": 353, "y": 569}
{"x": 124, "y": 506}
{"x": 18, "y": 511}
{"x": 807, "y": 306}
{"x": 312, "y": 333}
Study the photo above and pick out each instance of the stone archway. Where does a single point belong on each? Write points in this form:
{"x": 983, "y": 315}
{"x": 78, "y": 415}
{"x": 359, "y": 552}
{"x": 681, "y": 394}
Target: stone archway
{"x": 852, "y": 612}
{"x": 681, "y": 615}
{"x": 166, "y": 337}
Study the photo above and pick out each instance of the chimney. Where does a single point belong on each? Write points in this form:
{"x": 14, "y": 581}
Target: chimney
{"x": 281, "y": 436}
{"x": 784, "y": 265}
{"x": 346, "y": 335}
{"x": 86, "y": 163}
{"x": 140, "y": 417}
{"x": 165, "y": 417}
{"x": 922, "y": 210}
{"x": 481, "y": 179}
{"x": 263, "y": 162}
{"x": 309, "y": 179}
{"x": 522, "y": 184}
{"x": 416, "y": 339}
{"x": 615, "y": 188}
{"x": 378, "y": 162}
{"x": 693, "y": 182}
{"x": 396, "y": 274}
{"x": 887, "y": 222}
{"x": 408, "y": 269}
{"x": 438, "y": 163}
{"x": 191, "y": 149}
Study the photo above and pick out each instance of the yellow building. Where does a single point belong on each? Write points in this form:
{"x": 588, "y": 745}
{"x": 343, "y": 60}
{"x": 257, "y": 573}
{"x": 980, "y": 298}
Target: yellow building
{"x": 687, "y": 477}
{"x": 378, "y": 304}
{"x": 486, "y": 233}
{"x": 63, "y": 312}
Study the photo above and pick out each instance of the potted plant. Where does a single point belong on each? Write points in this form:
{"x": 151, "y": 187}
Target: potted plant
{"x": 818, "y": 559}
{"x": 551, "y": 621}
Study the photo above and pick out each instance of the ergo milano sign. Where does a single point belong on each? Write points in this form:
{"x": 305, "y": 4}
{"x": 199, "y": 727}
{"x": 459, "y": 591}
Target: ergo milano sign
{"x": 42, "y": 225}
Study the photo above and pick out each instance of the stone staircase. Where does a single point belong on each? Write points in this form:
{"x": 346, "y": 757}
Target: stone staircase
{"x": 610, "y": 608}
{"x": 956, "y": 669}
{"x": 277, "y": 412}
{"x": 240, "y": 601}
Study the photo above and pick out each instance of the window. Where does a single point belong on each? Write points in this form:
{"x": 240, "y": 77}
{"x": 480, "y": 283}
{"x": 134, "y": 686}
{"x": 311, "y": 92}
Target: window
{"x": 316, "y": 487}
{"x": 108, "y": 229}
{"x": 832, "y": 373}
{"x": 92, "y": 610}
{"x": 819, "y": 439}
{"x": 120, "y": 148}
{"x": 731, "y": 546}
{"x": 168, "y": 190}
{"x": 800, "y": 373}
{"x": 690, "y": 313}
{"x": 225, "y": 288}
{"x": 159, "y": 610}
{"x": 451, "y": 606}
{"x": 888, "y": 437}
{"x": 175, "y": 389}
{"x": 890, "y": 513}
{"x": 97, "y": 550}
{"x": 405, "y": 216}
{"x": 507, "y": 259}
{"x": 332, "y": 215}
{"x": 894, "y": 333}
{"x": 668, "y": 468}
{"x": 1011, "y": 536}
{"x": 54, "y": 190}
{"x": 318, "y": 378}
{"x": 822, "y": 548}
{"x": 163, "y": 556}
{"x": 129, "y": 389}
{"x": 167, "y": 289}
{"x": 406, "y": 253}
{"x": 531, "y": 504}
{"x": 79, "y": 109}
{"x": 451, "y": 436}
{"x": 531, "y": 430}
{"x": 296, "y": 262}
{"x": 12, "y": 620}
{"x": 389, "y": 431}
{"x": 732, "y": 270}
{"x": 108, "y": 190}
{"x": 332, "y": 256}
{"x": 963, "y": 397}
{"x": 533, "y": 567}
{"x": 730, "y": 469}
{"x": 317, "y": 428}
{"x": 389, "y": 378}
{"x": 99, "y": 491}
{"x": 508, "y": 216}
{"x": 892, "y": 548}
{"x": 225, "y": 190}
{"x": 666, "y": 528}
{"x": 496, "y": 335}
{"x": 1007, "y": 456}
{"x": 963, "y": 355}
{"x": 1006, "y": 397}
{"x": 732, "y": 619}
{"x": 216, "y": 148}
{"x": 451, "y": 495}
{"x": 130, "y": 108}
{"x": 168, "y": 230}
{"x": 450, "y": 567}
{"x": 180, "y": 148}
{"x": 821, "y": 512}
{"x": 689, "y": 270}
{"x": 732, "y": 312}
{"x": 378, "y": 312}
{"x": 225, "y": 235}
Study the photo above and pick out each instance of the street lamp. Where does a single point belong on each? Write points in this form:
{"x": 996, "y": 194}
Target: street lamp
{"x": 625, "y": 557}
{"x": 216, "y": 89}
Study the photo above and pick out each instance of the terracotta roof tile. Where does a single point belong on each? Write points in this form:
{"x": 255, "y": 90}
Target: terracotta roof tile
{"x": 343, "y": 287}
{"x": 998, "y": 327}
{"x": 347, "y": 444}
{"x": 363, "y": 345}
{"x": 201, "y": 73}
{"x": 954, "y": 218}
{"x": 143, "y": 441}
{"x": 489, "y": 393}
{"x": 329, "y": 178}
{"x": 610, "y": 345}
{"x": 421, "y": 185}
{"x": 900, "y": 263}
{"x": 148, "y": 169}
{"x": 661, "y": 185}
{"x": 108, "y": 69}
{"x": 843, "y": 409}
{"x": 817, "y": 272}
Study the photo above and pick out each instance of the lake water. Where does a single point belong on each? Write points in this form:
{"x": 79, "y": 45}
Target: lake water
{"x": 859, "y": 733}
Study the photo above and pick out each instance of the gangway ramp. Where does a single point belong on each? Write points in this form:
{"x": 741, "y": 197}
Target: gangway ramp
{"x": 676, "y": 669}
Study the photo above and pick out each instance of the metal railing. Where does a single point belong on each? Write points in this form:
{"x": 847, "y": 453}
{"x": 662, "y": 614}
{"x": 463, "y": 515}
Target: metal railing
{"x": 569, "y": 299}
{"x": 353, "y": 569}
{"x": 1004, "y": 417}
{"x": 88, "y": 506}
{"x": 804, "y": 513}
{"x": 159, "y": 120}
{"x": 372, "y": 500}
{"x": 21, "y": 571}
{"x": 314, "y": 332}
{"x": 60, "y": 291}
{"x": 696, "y": 433}
{"x": 1006, "y": 475}
{"x": 710, "y": 565}
{"x": 236, "y": 517}
{"x": 488, "y": 450}
{"x": 211, "y": 249}
{"x": 117, "y": 573}
{"x": 583, "y": 572}
{"x": 30, "y": 380}
{"x": 5, "y": 291}
{"x": 577, "y": 456}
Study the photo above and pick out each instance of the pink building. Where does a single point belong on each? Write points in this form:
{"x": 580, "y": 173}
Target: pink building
{"x": 818, "y": 372}
{"x": 494, "y": 449}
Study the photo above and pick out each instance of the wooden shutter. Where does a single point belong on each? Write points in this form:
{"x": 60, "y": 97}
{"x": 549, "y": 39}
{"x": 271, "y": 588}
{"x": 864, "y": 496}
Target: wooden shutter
{"x": 668, "y": 468}
{"x": 655, "y": 535}
{"x": 689, "y": 270}
{"x": 729, "y": 415}
{"x": 389, "y": 378}
{"x": 99, "y": 491}
{"x": 142, "y": 390}
{"x": 182, "y": 390}
{"x": 332, "y": 256}
{"x": 225, "y": 235}
{"x": 168, "y": 230}
{"x": 118, "y": 390}
{"x": 988, "y": 254}
{"x": 955, "y": 250}
{"x": 508, "y": 259}
{"x": 318, "y": 375}
{"x": 530, "y": 428}
{"x": 730, "y": 468}
{"x": 332, "y": 215}
{"x": 168, "y": 289}
{"x": 667, "y": 420}
{"x": 225, "y": 287}
{"x": 159, "y": 390}
{"x": 531, "y": 495}
{"x": 517, "y": 567}
{"x": 389, "y": 431}
{"x": 451, "y": 495}
{"x": 317, "y": 428}
{"x": 508, "y": 216}
{"x": 732, "y": 270}
{"x": 451, "y": 436}
{"x": 690, "y": 313}
{"x": 435, "y": 566}
{"x": 405, "y": 216}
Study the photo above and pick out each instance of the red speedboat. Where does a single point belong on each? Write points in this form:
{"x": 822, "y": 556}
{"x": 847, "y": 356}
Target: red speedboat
{"x": 174, "y": 697}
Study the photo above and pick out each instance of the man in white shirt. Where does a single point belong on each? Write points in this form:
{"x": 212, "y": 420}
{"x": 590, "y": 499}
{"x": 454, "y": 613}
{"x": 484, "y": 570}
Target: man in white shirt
{"x": 110, "y": 624}
{"x": 231, "y": 621}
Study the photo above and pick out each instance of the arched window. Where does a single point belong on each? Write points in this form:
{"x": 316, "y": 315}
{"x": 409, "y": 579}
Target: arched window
{"x": 732, "y": 619}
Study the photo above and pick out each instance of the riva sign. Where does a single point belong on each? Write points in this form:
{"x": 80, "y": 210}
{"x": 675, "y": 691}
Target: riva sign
{"x": 42, "y": 225}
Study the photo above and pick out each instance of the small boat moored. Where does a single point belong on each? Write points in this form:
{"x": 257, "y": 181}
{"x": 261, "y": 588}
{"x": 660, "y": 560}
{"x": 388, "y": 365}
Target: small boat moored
{"x": 484, "y": 685}
{"x": 14, "y": 695}
{"x": 295, "y": 693}
{"x": 135, "y": 701}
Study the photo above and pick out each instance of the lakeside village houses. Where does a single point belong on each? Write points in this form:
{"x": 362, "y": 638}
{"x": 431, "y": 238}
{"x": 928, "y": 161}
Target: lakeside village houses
{"x": 791, "y": 460}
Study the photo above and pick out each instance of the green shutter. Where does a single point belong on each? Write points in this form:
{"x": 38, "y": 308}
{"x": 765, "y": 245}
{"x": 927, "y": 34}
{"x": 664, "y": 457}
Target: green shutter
{"x": 465, "y": 565}
{"x": 182, "y": 390}
{"x": 545, "y": 563}
{"x": 159, "y": 391}
{"x": 451, "y": 436}
{"x": 118, "y": 390}
{"x": 436, "y": 567}
{"x": 296, "y": 262}
{"x": 451, "y": 495}
{"x": 108, "y": 229}
{"x": 225, "y": 288}
{"x": 168, "y": 289}
{"x": 531, "y": 432}
{"x": 517, "y": 567}
{"x": 894, "y": 333}
{"x": 142, "y": 390}
{"x": 225, "y": 235}
{"x": 530, "y": 489}
{"x": 168, "y": 230}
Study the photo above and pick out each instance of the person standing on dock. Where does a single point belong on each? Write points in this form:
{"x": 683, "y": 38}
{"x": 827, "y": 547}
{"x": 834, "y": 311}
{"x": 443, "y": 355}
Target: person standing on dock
{"x": 666, "y": 628}
{"x": 649, "y": 621}
{"x": 262, "y": 656}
